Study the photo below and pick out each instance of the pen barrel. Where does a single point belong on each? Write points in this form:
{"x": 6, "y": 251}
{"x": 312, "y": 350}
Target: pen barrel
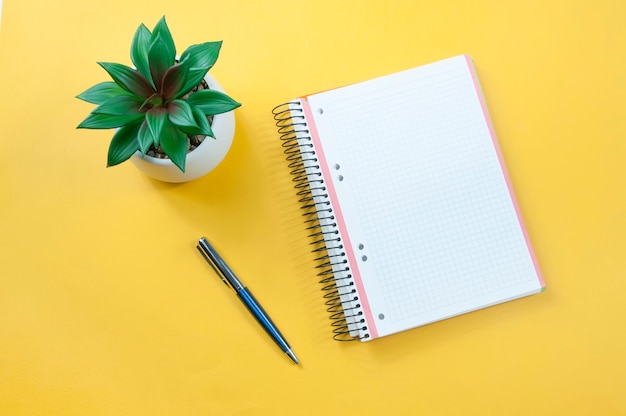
{"x": 262, "y": 318}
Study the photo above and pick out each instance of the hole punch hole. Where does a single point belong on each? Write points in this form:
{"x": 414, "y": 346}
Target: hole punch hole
{"x": 320, "y": 110}
{"x": 361, "y": 246}
{"x": 381, "y": 316}
{"x": 340, "y": 177}
{"x": 364, "y": 258}
{"x": 337, "y": 166}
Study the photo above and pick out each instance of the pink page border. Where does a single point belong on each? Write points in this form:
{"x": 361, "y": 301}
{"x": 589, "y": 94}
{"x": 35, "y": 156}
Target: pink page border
{"x": 356, "y": 274}
{"x": 494, "y": 139}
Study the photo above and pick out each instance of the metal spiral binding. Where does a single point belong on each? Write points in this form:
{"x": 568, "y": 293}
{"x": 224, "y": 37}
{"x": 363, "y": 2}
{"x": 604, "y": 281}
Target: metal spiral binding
{"x": 333, "y": 269}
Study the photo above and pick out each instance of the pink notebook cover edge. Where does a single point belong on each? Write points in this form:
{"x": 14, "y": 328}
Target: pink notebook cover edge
{"x": 356, "y": 274}
{"x": 505, "y": 173}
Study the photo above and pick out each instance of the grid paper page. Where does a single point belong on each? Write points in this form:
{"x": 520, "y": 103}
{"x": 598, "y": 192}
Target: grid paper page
{"x": 424, "y": 200}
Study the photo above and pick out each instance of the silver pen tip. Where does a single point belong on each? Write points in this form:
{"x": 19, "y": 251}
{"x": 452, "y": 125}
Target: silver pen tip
{"x": 292, "y": 356}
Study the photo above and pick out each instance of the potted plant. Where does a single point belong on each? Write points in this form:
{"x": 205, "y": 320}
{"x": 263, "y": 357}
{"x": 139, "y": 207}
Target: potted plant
{"x": 173, "y": 120}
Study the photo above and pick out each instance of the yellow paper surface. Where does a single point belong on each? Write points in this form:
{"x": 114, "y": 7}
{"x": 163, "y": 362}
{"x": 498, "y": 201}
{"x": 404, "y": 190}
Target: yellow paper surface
{"x": 106, "y": 308}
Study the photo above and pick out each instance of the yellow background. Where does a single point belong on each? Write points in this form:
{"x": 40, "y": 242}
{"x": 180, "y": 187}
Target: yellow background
{"x": 106, "y": 308}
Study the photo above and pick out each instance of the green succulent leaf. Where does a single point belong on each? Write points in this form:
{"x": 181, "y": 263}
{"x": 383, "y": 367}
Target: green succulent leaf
{"x": 124, "y": 144}
{"x": 101, "y": 92}
{"x": 139, "y": 51}
{"x": 201, "y": 58}
{"x": 174, "y": 80}
{"x": 108, "y": 121}
{"x": 123, "y": 105}
{"x": 202, "y": 127}
{"x": 154, "y": 101}
{"x": 203, "y": 55}
{"x": 161, "y": 29}
{"x": 174, "y": 144}
{"x": 144, "y": 138}
{"x": 212, "y": 102}
{"x": 160, "y": 61}
{"x": 194, "y": 78}
{"x": 129, "y": 79}
{"x": 180, "y": 114}
{"x": 203, "y": 122}
{"x": 156, "y": 118}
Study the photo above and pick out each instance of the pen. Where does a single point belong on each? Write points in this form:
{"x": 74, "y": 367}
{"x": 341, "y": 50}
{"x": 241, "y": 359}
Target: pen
{"x": 228, "y": 277}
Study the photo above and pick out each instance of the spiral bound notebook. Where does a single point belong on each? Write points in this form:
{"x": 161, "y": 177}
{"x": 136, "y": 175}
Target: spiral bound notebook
{"x": 407, "y": 198}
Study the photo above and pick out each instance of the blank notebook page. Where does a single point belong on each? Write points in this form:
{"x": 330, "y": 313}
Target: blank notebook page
{"x": 422, "y": 197}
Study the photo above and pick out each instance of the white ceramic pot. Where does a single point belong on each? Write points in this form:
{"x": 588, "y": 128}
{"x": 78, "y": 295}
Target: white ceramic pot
{"x": 202, "y": 159}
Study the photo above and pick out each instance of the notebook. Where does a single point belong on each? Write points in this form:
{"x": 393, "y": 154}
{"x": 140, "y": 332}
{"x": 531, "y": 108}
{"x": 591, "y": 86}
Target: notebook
{"x": 407, "y": 199}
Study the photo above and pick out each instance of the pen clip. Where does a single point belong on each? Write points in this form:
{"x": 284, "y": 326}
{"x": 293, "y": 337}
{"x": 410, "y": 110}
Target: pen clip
{"x": 206, "y": 256}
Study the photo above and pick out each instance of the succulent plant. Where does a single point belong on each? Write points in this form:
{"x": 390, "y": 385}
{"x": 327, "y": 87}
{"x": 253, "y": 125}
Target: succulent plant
{"x": 155, "y": 104}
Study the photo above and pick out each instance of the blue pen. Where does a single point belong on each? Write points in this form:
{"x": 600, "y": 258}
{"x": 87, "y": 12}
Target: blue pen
{"x": 228, "y": 277}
